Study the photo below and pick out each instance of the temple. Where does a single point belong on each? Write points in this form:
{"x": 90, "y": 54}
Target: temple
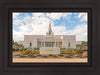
{"x": 49, "y": 40}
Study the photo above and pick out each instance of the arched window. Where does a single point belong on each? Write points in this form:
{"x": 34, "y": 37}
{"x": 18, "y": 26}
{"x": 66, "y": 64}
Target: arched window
{"x": 68, "y": 44}
{"x": 30, "y": 44}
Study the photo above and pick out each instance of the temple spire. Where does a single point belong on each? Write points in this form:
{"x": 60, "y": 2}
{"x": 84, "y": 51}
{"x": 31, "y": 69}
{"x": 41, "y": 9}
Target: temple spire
{"x": 50, "y": 26}
{"x": 49, "y": 29}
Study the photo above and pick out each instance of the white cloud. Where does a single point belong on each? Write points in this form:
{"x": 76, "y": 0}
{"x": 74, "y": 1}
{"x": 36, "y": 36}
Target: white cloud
{"x": 83, "y": 16}
{"x": 55, "y": 16}
{"x": 39, "y": 23}
{"x": 15, "y": 14}
{"x": 80, "y": 31}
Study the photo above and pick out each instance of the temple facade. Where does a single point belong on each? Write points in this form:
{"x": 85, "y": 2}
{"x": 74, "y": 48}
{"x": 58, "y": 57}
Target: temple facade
{"x": 49, "y": 40}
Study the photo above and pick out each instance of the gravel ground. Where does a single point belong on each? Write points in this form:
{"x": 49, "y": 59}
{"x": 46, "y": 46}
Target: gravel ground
{"x": 59, "y": 59}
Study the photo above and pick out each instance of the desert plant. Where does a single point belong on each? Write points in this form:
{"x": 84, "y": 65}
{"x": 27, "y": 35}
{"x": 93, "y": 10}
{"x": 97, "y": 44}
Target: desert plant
{"x": 30, "y": 53}
{"x": 38, "y": 55}
{"x": 79, "y": 56}
{"x": 62, "y": 52}
{"x": 31, "y": 56}
{"x": 17, "y": 55}
{"x": 60, "y": 55}
{"x": 69, "y": 56}
{"x": 21, "y": 50}
{"x": 37, "y": 52}
{"x": 16, "y": 49}
{"x": 85, "y": 56}
{"x": 50, "y": 55}
{"x": 54, "y": 56}
{"x": 44, "y": 56}
{"x": 79, "y": 51}
{"x": 25, "y": 52}
{"x": 13, "y": 49}
{"x": 22, "y": 56}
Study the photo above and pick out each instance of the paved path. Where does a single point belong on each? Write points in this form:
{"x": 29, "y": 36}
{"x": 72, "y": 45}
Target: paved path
{"x": 68, "y": 60}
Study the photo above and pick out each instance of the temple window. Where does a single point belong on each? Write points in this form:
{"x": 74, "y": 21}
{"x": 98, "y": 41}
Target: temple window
{"x": 30, "y": 44}
{"x": 68, "y": 44}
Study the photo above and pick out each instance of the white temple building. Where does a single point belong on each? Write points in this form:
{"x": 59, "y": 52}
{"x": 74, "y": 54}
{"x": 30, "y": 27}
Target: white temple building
{"x": 49, "y": 40}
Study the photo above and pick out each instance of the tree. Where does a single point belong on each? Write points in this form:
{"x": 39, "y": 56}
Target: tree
{"x": 16, "y": 45}
{"x": 84, "y": 43}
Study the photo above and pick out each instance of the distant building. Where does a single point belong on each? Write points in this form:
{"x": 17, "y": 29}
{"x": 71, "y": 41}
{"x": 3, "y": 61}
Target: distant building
{"x": 49, "y": 40}
{"x": 78, "y": 42}
{"x": 21, "y": 42}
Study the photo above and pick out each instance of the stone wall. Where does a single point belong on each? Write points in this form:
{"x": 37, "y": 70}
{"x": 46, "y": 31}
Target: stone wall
{"x": 49, "y": 50}
{"x": 69, "y": 39}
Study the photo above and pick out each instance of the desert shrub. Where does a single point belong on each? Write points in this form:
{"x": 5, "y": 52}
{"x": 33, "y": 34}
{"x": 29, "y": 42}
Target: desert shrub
{"x": 50, "y": 55}
{"x": 60, "y": 55}
{"x": 38, "y": 55}
{"x": 13, "y": 49}
{"x": 67, "y": 52}
{"x": 85, "y": 56}
{"x": 22, "y": 56}
{"x": 79, "y": 56}
{"x": 25, "y": 52}
{"x": 21, "y": 50}
{"x": 84, "y": 49}
{"x": 16, "y": 49}
{"x": 79, "y": 51}
{"x": 30, "y": 53}
{"x": 72, "y": 53}
{"x": 25, "y": 49}
{"x": 31, "y": 56}
{"x": 37, "y": 52}
{"x": 44, "y": 56}
{"x": 54, "y": 56}
{"x": 69, "y": 56}
{"x": 17, "y": 55}
{"x": 62, "y": 52}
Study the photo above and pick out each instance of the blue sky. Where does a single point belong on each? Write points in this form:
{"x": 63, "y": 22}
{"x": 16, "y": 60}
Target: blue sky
{"x": 62, "y": 23}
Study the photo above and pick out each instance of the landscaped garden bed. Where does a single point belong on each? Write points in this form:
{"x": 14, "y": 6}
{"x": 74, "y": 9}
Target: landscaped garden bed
{"x": 69, "y": 53}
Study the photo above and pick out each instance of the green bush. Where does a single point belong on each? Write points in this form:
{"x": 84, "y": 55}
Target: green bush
{"x": 54, "y": 56}
{"x": 13, "y": 49}
{"x": 17, "y": 55}
{"x": 50, "y": 55}
{"x": 69, "y": 56}
{"x": 38, "y": 55}
{"x": 62, "y": 52}
{"x": 85, "y": 56}
{"x": 22, "y": 56}
{"x": 25, "y": 52}
{"x": 21, "y": 50}
{"x": 25, "y": 49}
{"x": 79, "y": 51}
{"x": 16, "y": 49}
{"x": 37, "y": 52}
{"x": 44, "y": 56}
{"x": 31, "y": 56}
{"x": 79, "y": 56}
{"x": 84, "y": 49}
{"x": 60, "y": 55}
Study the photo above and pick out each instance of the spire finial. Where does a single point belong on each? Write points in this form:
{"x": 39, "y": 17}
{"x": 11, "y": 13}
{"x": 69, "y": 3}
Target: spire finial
{"x": 50, "y": 25}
